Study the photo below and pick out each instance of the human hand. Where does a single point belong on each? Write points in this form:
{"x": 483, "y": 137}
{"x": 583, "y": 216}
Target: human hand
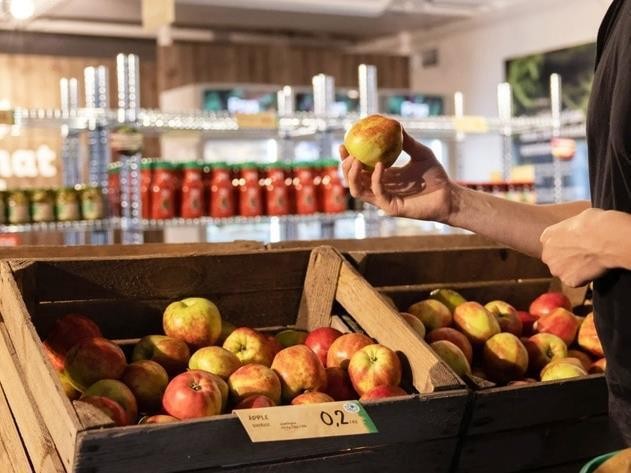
{"x": 421, "y": 189}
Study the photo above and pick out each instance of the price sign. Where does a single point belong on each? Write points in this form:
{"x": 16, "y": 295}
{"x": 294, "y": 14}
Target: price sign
{"x": 332, "y": 419}
{"x": 471, "y": 124}
{"x": 263, "y": 120}
{"x": 6, "y": 117}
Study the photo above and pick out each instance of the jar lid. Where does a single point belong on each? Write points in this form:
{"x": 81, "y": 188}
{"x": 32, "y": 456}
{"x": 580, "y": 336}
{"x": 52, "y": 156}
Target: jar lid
{"x": 219, "y": 165}
{"x": 275, "y": 165}
{"x": 248, "y": 165}
{"x": 166, "y": 165}
{"x": 147, "y": 164}
{"x": 303, "y": 165}
{"x": 193, "y": 165}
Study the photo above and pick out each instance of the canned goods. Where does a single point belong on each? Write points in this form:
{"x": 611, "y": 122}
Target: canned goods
{"x": 18, "y": 206}
{"x": 92, "y": 207}
{"x": 67, "y": 205}
{"x": 42, "y": 206}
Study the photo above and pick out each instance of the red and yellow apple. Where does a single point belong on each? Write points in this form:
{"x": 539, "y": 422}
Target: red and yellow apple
{"x": 110, "y": 408}
{"x": 455, "y": 337}
{"x": 222, "y": 384}
{"x": 598, "y": 366}
{"x": 116, "y": 391}
{"x": 477, "y": 323}
{"x": 170, "y": 353}
{"x": 581, "y": 356}
{"x": 505, "y": 358}
{"x": 320, "y": 340}
{"x": 192, "y": 394}
{"x": 507, "y": 317}
{"x": 588, "y": 337}
{"x": 563, "y": 368}
{"x": 275, "y": 346}
{"x": 542, "y": 349}
{"x": 215, "y": 360}
{"x": 448, "y": 297}
{"x": 433, "y": 313}
{"x": 66, "y": 333}
{"x": 255, "y": 401}
{"x": 193, "y": 320}
{"x": 527, "y": 321}
{"x": 250, "y": 346}
{"x": 254, "y": 379}
{"x": 415, "y": 323}
{"x": 343, "y": 348}
{"x": 375, "y": 139}
{"x": 311, "y": 397}
{"x": 158, "y": 419}
{"x": 453, "y": 356}
{"x": 147, "y": 380}
{"x": 382, "y": 392}
{"x": 547, "y": 302}
{"x": 372, "y": 366}
{"x": 338, "y": 384}
{"x": 299, "y": 370}
{"x": 560, "y": 322}
{"x": 93, "y": 359}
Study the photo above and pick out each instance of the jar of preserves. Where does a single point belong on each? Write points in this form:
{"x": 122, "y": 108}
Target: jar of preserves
{"x": 18, "y": 206}
{"x": 333, "y": 194}
{"x": 42, "y": 206}
{"x": 192, "y": 204}
{"x": 221, "y": 203}
{"x": 306, "y": 201}
{"x": 92, "y": 207}
{"x": 146, "y": 176}
{"x": 163, "y": 191}
{"x": 67, "y": 205}
{"x": 250, "y": 201}
{"x": 114, "y": 191}
{"x": 276, "y": 198}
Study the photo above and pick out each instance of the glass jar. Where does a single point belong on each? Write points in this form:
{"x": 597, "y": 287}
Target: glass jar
{"x": 306, "y": 201}
{"x": 67, "y": 205}
{"x": 163, "y": 191}
{"x": 114, "y": 189}
{"x": 92, "y": 207}
{"x": 18, "y": 205}
{"x": 276, "y": 199}
{"x": 332, "y": 192}
{"x": 192, "y": 205}
{"x": 250, "y": 201}
{"x": 221, "y": 203}
{"x": 146, "y": 176}
{"x": 42, "y": 206}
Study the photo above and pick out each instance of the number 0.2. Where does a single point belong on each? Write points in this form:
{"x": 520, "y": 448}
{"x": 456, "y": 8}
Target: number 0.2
{"x": 327, "y": 419}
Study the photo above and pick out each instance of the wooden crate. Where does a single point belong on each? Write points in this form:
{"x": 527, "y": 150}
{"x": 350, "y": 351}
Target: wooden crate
{"x": 542, "y": 427}
{"x": 126, "y": 297}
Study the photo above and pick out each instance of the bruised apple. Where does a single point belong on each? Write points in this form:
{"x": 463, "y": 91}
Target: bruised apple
{"x": 192, "y": 394}
{"x": 382, "y": 392}
{"x": 255, "y": 401}
{"x": 311, "y": 397}
{"x": 116, "y": 391}
{"x": 66, "y": 333}
{"x": 320, "y": 340}
{"x": 505, "y": 358}
{"x": 455, "y": 337}
{"x": 434, "y": 314}
{"x": 375, "y": 139}
{"x": 215, "y": 360}
{"x": 338, "y": 384}
{"x": 194, "y": 320}
{"x": 506, "y": 316}
{"x": 372, "y": 366}
{"x": 93, "y": 359}
{"x": 453, "y": 356}
{"x": 147, "y": 380}
{"x": 343, "y": 348}
{"x": 254, "y": 379}
{"x": 549, "y": 301}
{"x": 560, "y": 322}
{"x": 250, "y": 346}
{"x": 299, "y": 370}
{"x": 172, "y": 354}
{"x": 477, "y": 323}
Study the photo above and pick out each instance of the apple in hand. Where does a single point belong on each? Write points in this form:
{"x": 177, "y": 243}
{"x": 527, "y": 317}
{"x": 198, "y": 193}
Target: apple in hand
{"x": 250, "y": 346}
{"x": 588, "y": 337}
{"x": 527, "y": 321}
{"x": 93, "y": 359}
{"x": 415, "y": 323}
{"x": 299, "y": 370}
{"x": 255, "y": 401}
{"x": 562, "y": 368}
{"x": 172, "y": 354}
{"x": 311, "y": 397}
{"x": 193, "y": 320}
{"x": 560, "y": 322}
{"x": 147, "y": 380}
{"x": 455, "y": 337}
{"x": 158, "y": 419}
{"x": 343, "y": 348}
{"x": 375, "y": 139}
{"x": 477, "y": 323}
{"x": 192, "y": 394}
{"x": 215, "y": 360}
{"x": 507, "y": 317}
{"x": 448, "y": 297}
{"x": 453, "y": 356}
{"x": 372, "y": 366}
{"x": 66, "y": 333}
{"x": 254, "y": 379}
{"x": 290, "y": 337}
{"x": 320, "y": 340}
{"x": 109, "y": 407}
{"x": 549, "y": 301}
{"x": 434, "y": 314}
{"x": 116, "y": 391}
{"x": 382, "y": 392}
{"x": 505, "y": 358}
{"x": 338, "y": 384}
{"x": 542, "y": 349}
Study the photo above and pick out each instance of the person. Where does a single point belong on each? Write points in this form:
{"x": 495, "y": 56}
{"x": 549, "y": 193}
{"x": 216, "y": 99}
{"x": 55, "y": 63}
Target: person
{"x": 579, "y": 241}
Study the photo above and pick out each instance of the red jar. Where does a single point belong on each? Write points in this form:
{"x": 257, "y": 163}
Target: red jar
{"x": 192, "y": 203}
{"x": 114, "y": 189}
{"x": 146, "y": 176}
{"x": 276, "y": 198}
{"x": 306, "y": 200}
{"x": 163, "y": 191}
{"x": 332, "y": 190}
{"x": 250, "y": 201}
{"x": 221, "y": 203}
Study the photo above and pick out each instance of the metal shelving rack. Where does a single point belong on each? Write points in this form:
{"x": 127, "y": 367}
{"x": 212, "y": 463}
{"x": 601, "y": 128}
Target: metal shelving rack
{"x": 98, "y": 120}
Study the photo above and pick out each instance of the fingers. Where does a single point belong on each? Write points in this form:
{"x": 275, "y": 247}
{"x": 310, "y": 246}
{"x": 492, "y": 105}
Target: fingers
{"x": 343, "y": 152}
{"x": 359, "y": 182}
{"x": 416, "y": 150}
{"x": 376, "y": 184}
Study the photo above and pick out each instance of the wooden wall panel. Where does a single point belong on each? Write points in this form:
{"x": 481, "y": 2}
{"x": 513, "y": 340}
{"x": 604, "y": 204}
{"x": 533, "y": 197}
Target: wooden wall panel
{"x": 186, "y": 63}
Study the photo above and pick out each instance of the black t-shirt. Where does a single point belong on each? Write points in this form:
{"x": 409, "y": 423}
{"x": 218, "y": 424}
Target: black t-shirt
{"x": 609, "y": 141}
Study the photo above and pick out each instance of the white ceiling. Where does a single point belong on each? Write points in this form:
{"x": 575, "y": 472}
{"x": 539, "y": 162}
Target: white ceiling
{"x": 348, "y": 19}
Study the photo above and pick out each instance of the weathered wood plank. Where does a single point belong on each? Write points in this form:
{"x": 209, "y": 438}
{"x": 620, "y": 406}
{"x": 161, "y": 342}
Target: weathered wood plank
{"x": 383, "y": 323}
{"x": 13, "y": 456}
{"x": 56, "y": 410}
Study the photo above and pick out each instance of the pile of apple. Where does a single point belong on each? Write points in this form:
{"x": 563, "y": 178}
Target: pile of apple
{"x": 496, "y": 342}
{"x": 204, "y": 366}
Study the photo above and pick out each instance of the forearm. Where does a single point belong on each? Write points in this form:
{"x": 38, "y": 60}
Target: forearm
{"x": 511, "y": 223}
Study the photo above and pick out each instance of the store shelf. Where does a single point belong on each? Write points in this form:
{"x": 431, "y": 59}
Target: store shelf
{"x": 76, "y": 226}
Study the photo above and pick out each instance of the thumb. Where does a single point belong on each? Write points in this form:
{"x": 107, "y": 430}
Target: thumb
{"x": 416, "y": 150}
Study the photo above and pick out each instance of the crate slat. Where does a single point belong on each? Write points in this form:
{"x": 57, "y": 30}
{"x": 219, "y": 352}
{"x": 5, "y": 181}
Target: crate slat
{"x": 13, "y": 457}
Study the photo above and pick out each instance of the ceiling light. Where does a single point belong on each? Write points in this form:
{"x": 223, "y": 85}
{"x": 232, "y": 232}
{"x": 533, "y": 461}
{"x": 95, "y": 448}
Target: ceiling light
{"x": 22, "y": 9}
